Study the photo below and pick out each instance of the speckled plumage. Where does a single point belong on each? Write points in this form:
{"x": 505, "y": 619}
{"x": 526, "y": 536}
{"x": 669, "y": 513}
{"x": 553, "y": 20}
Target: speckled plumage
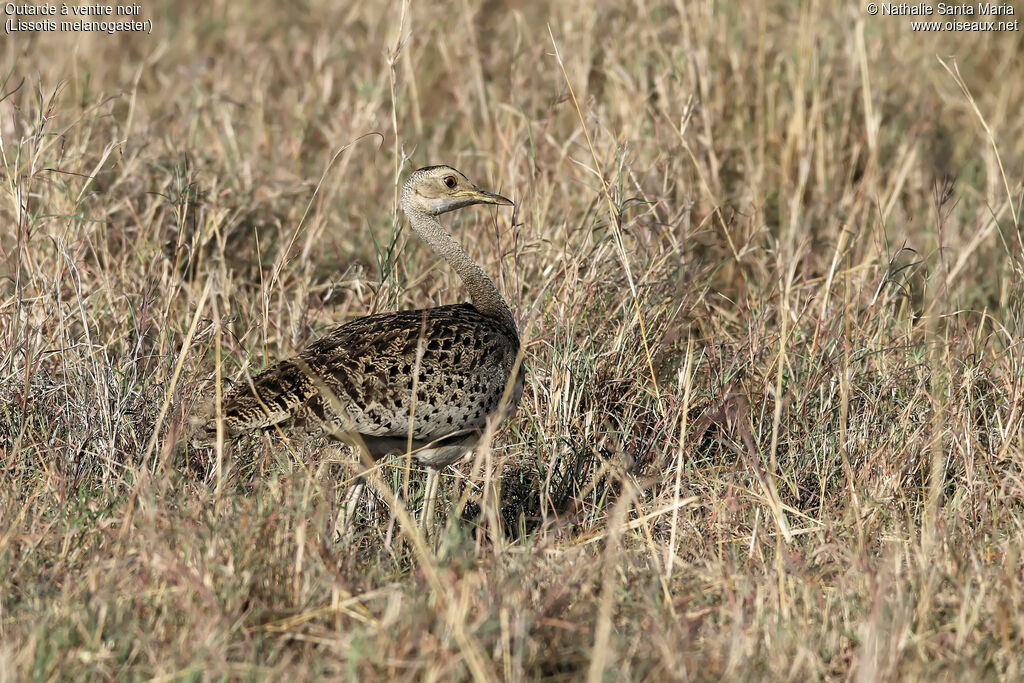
{"x": 437, "y": 374}
{"x": 368, "y": 368}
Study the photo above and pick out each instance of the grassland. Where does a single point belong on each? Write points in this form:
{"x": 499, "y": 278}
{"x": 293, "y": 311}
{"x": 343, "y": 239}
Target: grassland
{"x": 767, "y": 259}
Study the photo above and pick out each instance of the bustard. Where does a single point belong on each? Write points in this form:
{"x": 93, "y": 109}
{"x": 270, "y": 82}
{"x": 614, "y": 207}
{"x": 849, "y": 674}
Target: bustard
{"x": 435, "y": 374}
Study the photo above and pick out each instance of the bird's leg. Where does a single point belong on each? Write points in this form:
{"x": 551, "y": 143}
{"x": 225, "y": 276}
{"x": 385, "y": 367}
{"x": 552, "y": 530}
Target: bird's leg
{"x": 430, "y": 499}
{"x": 345, "y": 523}
{"x": 435, "y": 460}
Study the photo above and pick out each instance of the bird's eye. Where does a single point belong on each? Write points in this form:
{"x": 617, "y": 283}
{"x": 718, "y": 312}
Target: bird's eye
{"x": 450, "y": 181}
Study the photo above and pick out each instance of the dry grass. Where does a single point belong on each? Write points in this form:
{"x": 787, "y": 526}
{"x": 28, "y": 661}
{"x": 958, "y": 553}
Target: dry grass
{"x": 768, "y": 259}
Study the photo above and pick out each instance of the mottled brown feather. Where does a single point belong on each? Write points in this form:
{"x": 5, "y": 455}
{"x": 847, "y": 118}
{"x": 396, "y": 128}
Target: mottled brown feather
{"x": 368, "y": 369}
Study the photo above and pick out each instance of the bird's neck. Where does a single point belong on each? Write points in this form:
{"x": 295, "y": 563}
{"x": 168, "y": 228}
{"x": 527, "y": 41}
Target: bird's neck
{"x": 482, "y": 291}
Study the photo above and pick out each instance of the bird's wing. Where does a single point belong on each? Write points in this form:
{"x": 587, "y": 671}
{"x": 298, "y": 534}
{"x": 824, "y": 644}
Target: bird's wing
{"x": 445, "y": 368}
{"x": 363, "y": 376}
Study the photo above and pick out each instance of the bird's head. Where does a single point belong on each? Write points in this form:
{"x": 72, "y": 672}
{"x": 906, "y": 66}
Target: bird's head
{"x": 438, "y": 189}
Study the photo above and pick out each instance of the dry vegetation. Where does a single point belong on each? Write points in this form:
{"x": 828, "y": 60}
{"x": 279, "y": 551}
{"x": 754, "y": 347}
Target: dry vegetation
{"x": 767, "y": 257}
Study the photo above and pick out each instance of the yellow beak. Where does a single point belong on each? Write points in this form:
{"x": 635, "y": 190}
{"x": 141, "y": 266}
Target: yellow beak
{"x": 478, "y": 196}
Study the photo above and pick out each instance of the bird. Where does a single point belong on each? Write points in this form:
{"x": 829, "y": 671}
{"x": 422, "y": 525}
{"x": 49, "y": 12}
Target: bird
{"x": 425, "y": 381}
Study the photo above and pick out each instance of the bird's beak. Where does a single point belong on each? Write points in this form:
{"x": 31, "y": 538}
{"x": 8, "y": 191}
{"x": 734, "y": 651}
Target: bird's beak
{"x": 477, "y": 196}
